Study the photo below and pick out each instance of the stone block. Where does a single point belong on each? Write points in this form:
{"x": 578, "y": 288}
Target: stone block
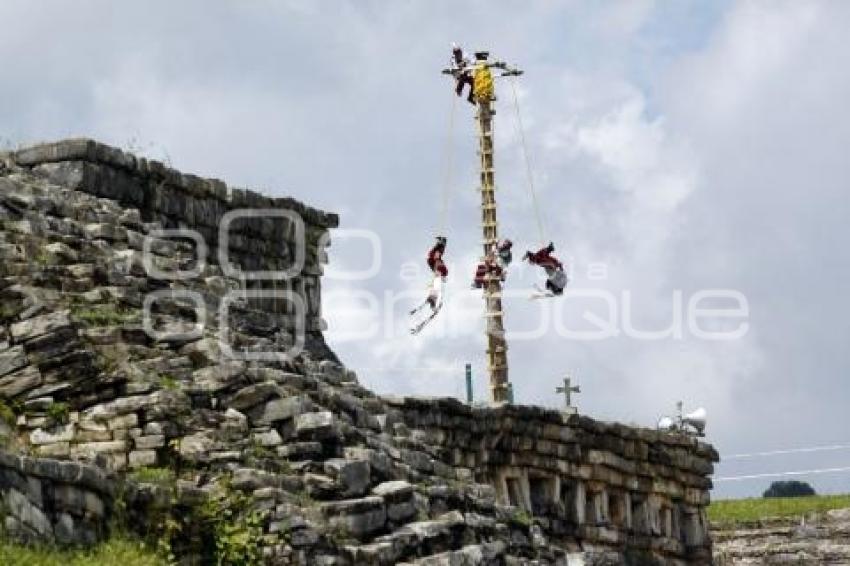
{"x": 268, "y": 438}
{"x": 149, "y": 442}
{"x": 278, "y": 410}
{"x": 64, "y": 433}
{"x": 360, "y": 517}
{"x": 91, "y": 450}
{"x": 398, "y": 496}
{"x": 103, "y": 231}
{"x": 129, "y": 420}
{"x": 20, "y": 382}
{"x": 66, "y": 150}
{"x": 300, "y": 451}
{"x": 55, "y": 450}
{"x": 141, "y": 458}
{"x": 252, "y": 395}
{"x": 39, "y": 326}
{"x": 195, "y": 447}
{"x": 250, "y": 479}
{"x": 11, "y": 360}
{"x": 353, "y": 476}
{"x": 319, "y": 424}
{"x": 153, "y": 429}
{"x": 29, "y": 514}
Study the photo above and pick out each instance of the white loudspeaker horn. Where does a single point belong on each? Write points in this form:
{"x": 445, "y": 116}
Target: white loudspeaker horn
{"x": 696, "y": 419}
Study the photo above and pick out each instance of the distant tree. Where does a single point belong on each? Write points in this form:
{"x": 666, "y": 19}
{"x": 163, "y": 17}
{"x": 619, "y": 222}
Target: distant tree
{"x": 789, "y": 489}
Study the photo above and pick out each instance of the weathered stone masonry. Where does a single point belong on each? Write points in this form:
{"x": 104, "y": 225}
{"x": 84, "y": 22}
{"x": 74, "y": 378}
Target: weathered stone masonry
{"x": 178, "y": 200}
{"x": 53, "y": 501}
{"x": 601, "y": 483}
{"x": 341, "y": 475}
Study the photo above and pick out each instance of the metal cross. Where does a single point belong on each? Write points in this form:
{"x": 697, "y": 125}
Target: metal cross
{"x": 567, "y": 390}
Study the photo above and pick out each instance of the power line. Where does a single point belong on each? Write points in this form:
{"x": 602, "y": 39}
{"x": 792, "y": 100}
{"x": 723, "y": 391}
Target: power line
{"x": 416, "y": 369}
{"x": 784, "y": 474}
{"x": 803, "y": 450}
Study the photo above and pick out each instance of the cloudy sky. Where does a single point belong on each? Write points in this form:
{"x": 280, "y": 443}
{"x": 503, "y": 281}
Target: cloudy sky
{"x": 676, "y": 148}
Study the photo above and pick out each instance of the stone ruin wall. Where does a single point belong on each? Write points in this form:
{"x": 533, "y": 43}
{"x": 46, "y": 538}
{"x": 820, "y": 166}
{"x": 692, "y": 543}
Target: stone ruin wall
{"x": 590, "y": 484}
{"x": 56, "y": 502}
{"x": 185, "y": 201}
{"x": 605, "y": 483}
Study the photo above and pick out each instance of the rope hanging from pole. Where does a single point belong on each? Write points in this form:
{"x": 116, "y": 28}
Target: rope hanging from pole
{"x": 447, "y": 176}
{"x": 537, "y": 214}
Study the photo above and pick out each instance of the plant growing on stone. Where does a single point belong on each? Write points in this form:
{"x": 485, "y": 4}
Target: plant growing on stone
{"x": 522, "y": 517}
{"x": 57, "y": 414}
{"x": 104, "y": 315}
{"x": 42, "y": 258}
{"x": 170, "y": 529}
{"x": 157, "y": 476}
{"x": 7, "y": 414}
{"x": 257, "y": 453}
{"x": 237, "y": 529}
{"x": 168, "y": 382}
{"x": 339, "y": 535}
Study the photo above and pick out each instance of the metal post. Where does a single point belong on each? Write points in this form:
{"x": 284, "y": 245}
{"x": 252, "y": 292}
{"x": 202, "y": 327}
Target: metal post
{"x": 469, "y": 384}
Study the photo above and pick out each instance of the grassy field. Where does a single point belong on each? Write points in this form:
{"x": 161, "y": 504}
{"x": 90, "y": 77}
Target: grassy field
{"x": 116, "y": 552}
{"x": 748, "y": 510}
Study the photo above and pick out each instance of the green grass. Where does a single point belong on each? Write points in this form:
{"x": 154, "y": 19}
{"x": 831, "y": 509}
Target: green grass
{"x": 750, "y": 510}
{"x": 116, "y": 552}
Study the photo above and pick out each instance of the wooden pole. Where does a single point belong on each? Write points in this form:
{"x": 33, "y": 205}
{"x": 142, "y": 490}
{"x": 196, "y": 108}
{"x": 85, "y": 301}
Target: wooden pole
{"x": 497, "y": 348}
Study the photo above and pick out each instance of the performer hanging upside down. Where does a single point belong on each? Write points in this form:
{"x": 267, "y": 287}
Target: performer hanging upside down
{"x": 435, "y": 257}
{"x": 556, "y": 277}
{"x": 438, "y": 267}
{"x": 434, "y": 299}
{"x": 490, "y": 266}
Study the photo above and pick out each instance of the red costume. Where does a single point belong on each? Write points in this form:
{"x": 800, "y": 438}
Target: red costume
{"x": 556, "y": 279}
{"x": 544, "y": 258}
{"x": 488, "y": 267}
{"x": 435, "y": 259}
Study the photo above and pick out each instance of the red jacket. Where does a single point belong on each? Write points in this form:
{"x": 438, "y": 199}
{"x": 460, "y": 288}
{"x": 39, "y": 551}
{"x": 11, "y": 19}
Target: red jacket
{"x": 483, "y": 269}
{"x": 435, "y": 260}
{"x": 545, "y": 259}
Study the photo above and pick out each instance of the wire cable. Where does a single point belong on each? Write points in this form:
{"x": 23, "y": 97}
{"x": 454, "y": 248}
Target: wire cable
{"x": 804, "y": 450}
{"x": 521, "y": 129}
{"x": 447, "y": 175}
{"x": 784, "y": 474}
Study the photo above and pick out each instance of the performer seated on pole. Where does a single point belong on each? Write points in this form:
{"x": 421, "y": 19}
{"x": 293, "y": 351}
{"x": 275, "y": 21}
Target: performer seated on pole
{"x": 503, "y": 249}
{"x": 490, "y": 266}
{"x": 463, "y": 73}
{"x": 556, "y": 277}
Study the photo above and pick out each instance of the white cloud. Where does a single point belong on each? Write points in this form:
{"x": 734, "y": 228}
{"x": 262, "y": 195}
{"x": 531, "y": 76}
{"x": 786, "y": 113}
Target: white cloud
{"x": 711, "y": 153}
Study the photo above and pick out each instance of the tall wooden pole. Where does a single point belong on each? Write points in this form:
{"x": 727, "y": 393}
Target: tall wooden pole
{"x": 497, "y": 347}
